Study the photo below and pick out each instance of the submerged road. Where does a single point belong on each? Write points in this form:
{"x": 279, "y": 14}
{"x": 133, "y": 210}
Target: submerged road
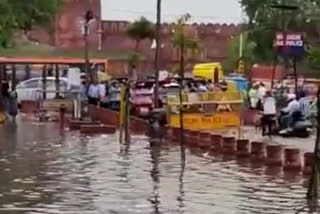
{"x": 45, "y": 172}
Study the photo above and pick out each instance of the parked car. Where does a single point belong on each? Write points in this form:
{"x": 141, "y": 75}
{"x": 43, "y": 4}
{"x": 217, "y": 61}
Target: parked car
{"x": 30, "y": 89}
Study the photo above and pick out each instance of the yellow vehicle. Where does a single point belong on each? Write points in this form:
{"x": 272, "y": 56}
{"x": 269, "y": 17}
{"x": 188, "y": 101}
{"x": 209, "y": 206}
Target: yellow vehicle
{"x": 212, "y": 71}
{"x": 217, "y": 112}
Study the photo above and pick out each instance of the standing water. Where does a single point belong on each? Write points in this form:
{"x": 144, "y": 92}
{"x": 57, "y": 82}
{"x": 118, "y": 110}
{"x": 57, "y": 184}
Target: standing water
{"x": 44, "y": 172}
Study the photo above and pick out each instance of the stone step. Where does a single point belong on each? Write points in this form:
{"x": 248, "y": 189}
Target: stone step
{"x": 97, "y": 129}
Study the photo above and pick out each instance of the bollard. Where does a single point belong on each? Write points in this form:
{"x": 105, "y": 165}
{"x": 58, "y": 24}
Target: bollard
{"x": 187, "y": 136}
{"x": 62, "y": 116}
{"x": 243, "y": 148}
{"x": 167, "y": 132}
{"x": 229, "y": 145}
{"x": 76, "y": 124}
{"x": 292, "y": 160}
{"x": 274, "y": 155}
{"x": 97, "y": 129}
{"x": 204, "y": 140}
{"x": 216, "y": 143}
{"x": 258, "y": 151}
{"x": 194, "y": 138}
{"x": 308, "y": 162}
{"x": 176, "y": 135}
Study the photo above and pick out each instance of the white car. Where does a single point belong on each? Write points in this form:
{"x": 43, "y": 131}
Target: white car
{"x": 31, "y": 89}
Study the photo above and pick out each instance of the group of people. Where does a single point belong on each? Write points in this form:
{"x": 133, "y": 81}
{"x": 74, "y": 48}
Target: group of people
{"x": 207, "y": 86}
{"x": 264, "y": 100}
{"x": 104, "y": 94}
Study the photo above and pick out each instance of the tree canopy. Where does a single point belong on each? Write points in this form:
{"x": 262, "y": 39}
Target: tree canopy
{"x": 140, "y": 30}
{"x": 264, "y": 20}
{"x": 23, "y": 15}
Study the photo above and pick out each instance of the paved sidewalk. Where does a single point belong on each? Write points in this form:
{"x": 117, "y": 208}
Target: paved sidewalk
{"x": 304, "y": 144}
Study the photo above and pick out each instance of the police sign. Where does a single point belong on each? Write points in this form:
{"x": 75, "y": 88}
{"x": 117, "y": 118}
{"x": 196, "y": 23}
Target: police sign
{"x": 290, "y": 44}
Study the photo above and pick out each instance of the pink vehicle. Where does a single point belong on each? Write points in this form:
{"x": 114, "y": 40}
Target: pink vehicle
{"x": 142, "y": 98}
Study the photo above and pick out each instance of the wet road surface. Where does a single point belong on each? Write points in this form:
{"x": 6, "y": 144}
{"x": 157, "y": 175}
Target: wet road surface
{"x": 45, "y": 172}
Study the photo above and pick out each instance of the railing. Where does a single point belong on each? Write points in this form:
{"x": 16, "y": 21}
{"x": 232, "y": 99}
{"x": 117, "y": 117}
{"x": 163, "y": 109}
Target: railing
{"x": 205, "y": 98}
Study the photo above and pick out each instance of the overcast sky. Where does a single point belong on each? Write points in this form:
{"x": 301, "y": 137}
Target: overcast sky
{"x": 221, "y": 11}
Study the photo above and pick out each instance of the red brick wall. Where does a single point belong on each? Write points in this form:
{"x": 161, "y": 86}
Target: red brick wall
{"x": 68, "y": 24}
{"x": 109, "y": 117}
{"x": 213, "y": 38}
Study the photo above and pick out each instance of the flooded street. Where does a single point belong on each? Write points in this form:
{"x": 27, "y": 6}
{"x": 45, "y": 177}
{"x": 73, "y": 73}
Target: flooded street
{"x": 45, "y": 172}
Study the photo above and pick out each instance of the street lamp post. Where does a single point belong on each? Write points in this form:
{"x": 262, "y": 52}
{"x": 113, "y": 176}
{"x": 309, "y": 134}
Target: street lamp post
{"x": 157, "y": 54}
{"x": 88, "y": 17}
{"x": 283, "y": 7}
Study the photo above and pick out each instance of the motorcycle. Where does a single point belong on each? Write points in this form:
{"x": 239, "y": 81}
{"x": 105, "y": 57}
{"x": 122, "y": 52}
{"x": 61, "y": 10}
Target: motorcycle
{"x": 302, "y": 126}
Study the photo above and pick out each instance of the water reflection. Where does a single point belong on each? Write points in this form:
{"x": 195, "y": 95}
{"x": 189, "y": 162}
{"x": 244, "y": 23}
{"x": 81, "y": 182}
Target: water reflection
{"x": 155, "y": 152}
{"x": 43, "y": 172}
{"x": 181, "y": 196}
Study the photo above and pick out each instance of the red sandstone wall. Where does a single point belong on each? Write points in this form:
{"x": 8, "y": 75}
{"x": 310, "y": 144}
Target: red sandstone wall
{"x": 213, "y": 38}
{"x": 68, "y": 24}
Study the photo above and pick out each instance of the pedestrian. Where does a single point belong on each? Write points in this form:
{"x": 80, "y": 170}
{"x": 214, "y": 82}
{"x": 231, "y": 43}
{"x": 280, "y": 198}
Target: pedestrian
{"x": 13, "y": 104}
{"x": 292, "y": 112}
{"x": 201, "y": 88}
{"x": 260, "y": 94}
{"x": 93, "y": 93}
{"x": 269, "y": 112}
{"x": 304, "y": 104}
{"x": 104, "y": 94}
{"x": 210, "y": 85}
{"x": 5, "y": 96}
{"x": 253, "y": 96}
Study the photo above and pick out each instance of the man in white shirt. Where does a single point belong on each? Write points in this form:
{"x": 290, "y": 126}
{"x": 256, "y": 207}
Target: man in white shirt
{"x": 261, "y": 91}
{"x": 260, "y": 95}
{"x": 293, "y": 111}
{"x": 269, "y": 112}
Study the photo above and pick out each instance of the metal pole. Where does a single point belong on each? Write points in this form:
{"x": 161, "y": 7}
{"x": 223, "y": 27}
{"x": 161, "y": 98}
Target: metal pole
{"x": 157, "y": 54}
{"x": 86, "y": 54}
{"x": 241, "y": 39}
{"x": 1, "y": 87}
{"x": 13, "y": 78}
{"x": 57, "y": 80}
{"x": 295, "y": 75}
{"x": 274, "y": 70}
{"x": 241, "y": 45}
{"x": 28, "y": 75}
{"x": 182, "y": 47}
{"x": 44, "y": 82}
{"x": 284, "y": 33}
{"x": 313, "y": 189}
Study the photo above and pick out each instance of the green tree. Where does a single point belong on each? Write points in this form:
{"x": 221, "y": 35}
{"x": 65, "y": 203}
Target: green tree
{"x": 7, "y": 23}
{"x": 233, "y": 52}
{"x": 313, "y": 57}
{"x": 182, "y": 40}
{"x": 23, "y": 15}
{"x": 140, "y": 30}
{"x": 35, "y": 12}
{"x": 264, "y": 21}
{"x": 133, "y": 62}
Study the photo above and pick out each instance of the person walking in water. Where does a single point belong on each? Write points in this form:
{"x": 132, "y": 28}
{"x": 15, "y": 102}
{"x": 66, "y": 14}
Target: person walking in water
{"x": 13, "y": 104}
